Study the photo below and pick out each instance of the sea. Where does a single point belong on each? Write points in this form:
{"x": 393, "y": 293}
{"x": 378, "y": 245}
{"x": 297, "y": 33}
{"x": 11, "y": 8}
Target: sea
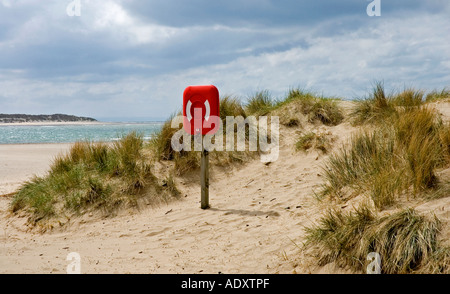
{"x": 70, "y": 133}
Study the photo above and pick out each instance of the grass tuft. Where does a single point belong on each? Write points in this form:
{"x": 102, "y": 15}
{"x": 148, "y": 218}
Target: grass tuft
{"x": 418, "y": 133}
{"x": 409, "y": 98}
{"x": 387, "y": 162}
{"x": 231, "y": 106}
{"x": 310, "y": 140}
{"x": 406, "y": 241}
{"x": 324, "y": 110}
{"x": 90, "y": 175}
{"x": 259, "y": 104}
{"x": 370, "y": 155}
{"x": 161, "y": 141}
{"x": 438, "y": 95}
{"x": 376, "y": 108}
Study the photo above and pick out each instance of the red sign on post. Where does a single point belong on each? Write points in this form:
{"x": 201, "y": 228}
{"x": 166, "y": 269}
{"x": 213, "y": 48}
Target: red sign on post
{"x": 201, "y": 117}
{"x": 201, "y": 110}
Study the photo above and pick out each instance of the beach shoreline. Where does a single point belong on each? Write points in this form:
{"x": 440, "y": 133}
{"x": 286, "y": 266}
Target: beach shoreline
{"x": 76, "y": 123}
{"x": 55, "y": 123}
{"x": 21, "y": 162}
{"x": 65, "y": 132}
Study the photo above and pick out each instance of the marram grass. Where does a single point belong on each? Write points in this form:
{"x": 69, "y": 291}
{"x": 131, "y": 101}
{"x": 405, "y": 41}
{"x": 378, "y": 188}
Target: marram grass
{"x": 92, "y": 176}
{"x": 406, "y": 241}
{"x": 387, "y": 162}
{"x": 398, "y": 155}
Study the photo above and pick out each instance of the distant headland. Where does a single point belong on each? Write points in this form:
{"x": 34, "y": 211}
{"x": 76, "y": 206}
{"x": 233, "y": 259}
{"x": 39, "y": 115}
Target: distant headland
{"x": 28, "y": 118}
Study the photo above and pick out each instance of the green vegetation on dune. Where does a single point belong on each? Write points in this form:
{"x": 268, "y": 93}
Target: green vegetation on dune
{"x": 393, "y": 159}
{"x": 406, "y": 241}
{"x": 90, "y": 176}
{"x": 318, "y": 141}
{"x": 438, "y": 95}
{"x": 380, "y": 106}
{"x": 397, "y": 157}
{"x": 259, "y": 104}
{"x": 185, "y": 161}
{"x": 231, "y": 106}
{"x": 315, "y": 108}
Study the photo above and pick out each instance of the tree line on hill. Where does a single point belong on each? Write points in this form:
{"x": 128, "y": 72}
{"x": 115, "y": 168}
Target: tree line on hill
{"x": 19, "y": 118}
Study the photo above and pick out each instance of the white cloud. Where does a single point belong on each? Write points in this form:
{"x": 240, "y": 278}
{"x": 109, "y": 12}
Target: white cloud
{"x": 401, "y": 52}
{"x": 6, "y": 3}
{"x": 411, "y": 50}
{"x": 110, "y": 17}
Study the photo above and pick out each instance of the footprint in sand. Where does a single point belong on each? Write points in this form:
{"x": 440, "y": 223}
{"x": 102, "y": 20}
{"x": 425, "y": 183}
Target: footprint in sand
{"x": 157, "y": 232}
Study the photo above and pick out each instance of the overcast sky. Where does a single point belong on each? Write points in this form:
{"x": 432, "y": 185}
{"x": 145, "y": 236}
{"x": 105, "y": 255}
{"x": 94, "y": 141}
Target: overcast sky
{"x": 134, "y": 58}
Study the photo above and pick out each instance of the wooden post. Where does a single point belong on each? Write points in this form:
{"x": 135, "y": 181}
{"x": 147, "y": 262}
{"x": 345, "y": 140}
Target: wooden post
{"x": 204, "y": 170}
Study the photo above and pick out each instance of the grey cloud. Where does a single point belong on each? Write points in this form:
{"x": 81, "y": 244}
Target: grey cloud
{"x": 267, "y": 13}
{"x": 75, "y": 65}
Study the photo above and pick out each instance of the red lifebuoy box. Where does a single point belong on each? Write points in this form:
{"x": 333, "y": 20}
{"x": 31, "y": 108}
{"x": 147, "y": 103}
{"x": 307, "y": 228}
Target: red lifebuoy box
{"x": 201, "y": 110}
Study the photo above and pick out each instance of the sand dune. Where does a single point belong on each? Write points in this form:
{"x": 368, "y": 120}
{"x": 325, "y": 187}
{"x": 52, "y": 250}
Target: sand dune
{"x": 255, "y": 224}
{"x": 257, "y": 212}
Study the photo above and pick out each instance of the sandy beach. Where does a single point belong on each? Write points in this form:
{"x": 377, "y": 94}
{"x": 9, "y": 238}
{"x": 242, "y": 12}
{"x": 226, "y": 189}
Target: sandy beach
{"x": 255, "y": 224}
{"x": 256, "y": 212}
{"x": 20, "y": 162}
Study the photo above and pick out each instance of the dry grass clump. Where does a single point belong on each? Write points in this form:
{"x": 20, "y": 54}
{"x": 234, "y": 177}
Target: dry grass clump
{"x": 407, "y": 143}
{"x": 444, "y": 134}
{"x": 317, "y": 108}
{"x": 406, "y": 241}
{"x": 161, "y": 144}
{"x": 185, "y": 161}
{"x": 161, "y": 147}
{"x": 291, "y": 122}
{"x": 91, "y": 175}
{"x": 409, "y": 98}
{"x": 387, "y": 162}
{"x": 419, "y": 134}
{"x": 259, "y": 104}
{"x": 368, "y": 165}
{"x": 312, "y": 140}
{"x": 381, "y": 107}
{"x": 376, "y": 108}
{"x": 231, "y": 106}
{"x": 438, "y": 95}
